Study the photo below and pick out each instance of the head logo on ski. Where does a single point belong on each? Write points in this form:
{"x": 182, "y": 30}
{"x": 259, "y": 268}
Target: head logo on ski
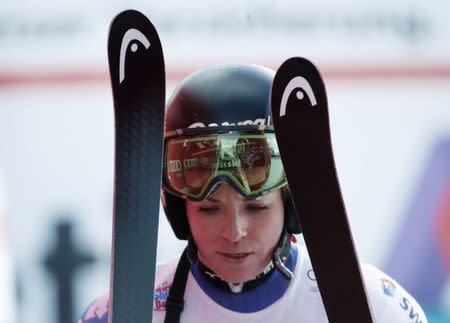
{"x": 130, "y": 35}
{"x": 136, "y": 63}
{"x": 297, "y": 82}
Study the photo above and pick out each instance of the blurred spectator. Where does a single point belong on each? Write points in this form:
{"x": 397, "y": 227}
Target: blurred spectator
{"x": 7, "y": 301}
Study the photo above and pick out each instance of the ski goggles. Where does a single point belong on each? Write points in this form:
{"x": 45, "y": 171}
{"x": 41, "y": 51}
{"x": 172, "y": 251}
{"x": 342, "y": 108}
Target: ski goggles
{"x": 249, "y": 162}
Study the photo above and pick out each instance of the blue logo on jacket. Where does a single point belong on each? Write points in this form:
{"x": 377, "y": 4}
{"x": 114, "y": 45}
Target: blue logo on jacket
{"x": 388, "y": 287}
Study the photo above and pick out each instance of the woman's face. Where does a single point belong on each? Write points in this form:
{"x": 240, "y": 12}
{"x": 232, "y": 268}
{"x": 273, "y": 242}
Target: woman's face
{"x": 236, "y": 237}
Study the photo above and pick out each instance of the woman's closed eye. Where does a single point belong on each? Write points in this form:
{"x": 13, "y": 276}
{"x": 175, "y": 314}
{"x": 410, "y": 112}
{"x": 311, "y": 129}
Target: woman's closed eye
{"x": 208, "y": 209}
{"x": 256, "y": 208}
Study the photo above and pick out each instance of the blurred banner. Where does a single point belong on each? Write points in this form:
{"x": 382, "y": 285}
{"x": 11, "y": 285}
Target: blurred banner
{"x": 387, "y": 69}
{"x": 45, "y": 43}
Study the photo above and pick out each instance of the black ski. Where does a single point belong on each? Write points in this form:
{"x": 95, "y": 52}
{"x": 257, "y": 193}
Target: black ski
{"x": 136, "y": 65}
{"x": 300, "y": 116}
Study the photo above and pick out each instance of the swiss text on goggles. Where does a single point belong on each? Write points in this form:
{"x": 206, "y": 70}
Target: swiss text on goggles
{"x": 249, "y": 162}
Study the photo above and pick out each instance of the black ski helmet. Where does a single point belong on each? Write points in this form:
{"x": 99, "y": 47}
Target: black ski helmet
{"x": 221, "y": 96}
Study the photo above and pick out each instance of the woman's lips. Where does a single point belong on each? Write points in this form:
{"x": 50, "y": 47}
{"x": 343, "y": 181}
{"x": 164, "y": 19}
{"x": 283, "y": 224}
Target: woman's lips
{"x": 235, "y": 257}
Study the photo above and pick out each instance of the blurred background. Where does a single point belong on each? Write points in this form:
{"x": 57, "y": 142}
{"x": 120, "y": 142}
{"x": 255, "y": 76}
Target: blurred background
{"x": 386, "y": 65}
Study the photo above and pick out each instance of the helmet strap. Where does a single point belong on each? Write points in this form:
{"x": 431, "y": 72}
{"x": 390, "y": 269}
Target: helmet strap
{"x": 281, "y": 255}
{"x": 175, "y": 300}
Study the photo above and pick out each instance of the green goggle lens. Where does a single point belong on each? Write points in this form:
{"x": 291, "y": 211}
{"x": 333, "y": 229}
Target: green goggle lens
{"x": 251, "y": 163}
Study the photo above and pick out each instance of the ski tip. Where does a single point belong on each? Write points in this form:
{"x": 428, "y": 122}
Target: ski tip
{"x": 299, "y": 76}
{"x": 126, "y": 15}
{"x": 299, "y": 64}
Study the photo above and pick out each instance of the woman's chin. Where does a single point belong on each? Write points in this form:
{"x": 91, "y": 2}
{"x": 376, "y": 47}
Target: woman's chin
{"x": 235, "y": 278}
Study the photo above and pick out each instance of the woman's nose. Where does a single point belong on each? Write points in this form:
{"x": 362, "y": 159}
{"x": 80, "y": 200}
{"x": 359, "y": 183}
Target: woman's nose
{"x": 234, "y": 227}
